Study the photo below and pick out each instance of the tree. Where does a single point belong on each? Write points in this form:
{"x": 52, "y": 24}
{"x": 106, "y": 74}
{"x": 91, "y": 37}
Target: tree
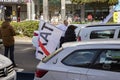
{"x": 93, "y": 3}
{"x": 54, "y": 5}
{"x": 110, "y": 2}
{"x": 54, "y": 2}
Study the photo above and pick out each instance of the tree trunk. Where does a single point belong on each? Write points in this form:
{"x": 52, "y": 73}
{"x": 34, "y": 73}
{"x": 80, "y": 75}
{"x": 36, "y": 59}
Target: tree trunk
{"x": 82, "y": 13}
{"x": 45, "y": 10}
{"x": 63, "y": 8}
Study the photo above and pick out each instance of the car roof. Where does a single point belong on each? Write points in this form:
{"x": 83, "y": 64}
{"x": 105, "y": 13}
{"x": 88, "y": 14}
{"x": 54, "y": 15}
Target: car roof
{"x": 103, "y": 25}
{"x": 105, "y": 42}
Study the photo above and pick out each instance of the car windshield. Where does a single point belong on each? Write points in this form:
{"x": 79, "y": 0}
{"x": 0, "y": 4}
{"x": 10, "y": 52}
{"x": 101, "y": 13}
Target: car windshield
{"x": 47, "y": 58}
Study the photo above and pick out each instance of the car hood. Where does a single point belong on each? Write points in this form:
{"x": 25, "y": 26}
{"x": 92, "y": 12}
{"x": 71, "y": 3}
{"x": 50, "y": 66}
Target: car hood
{"x": 4, "y": 61}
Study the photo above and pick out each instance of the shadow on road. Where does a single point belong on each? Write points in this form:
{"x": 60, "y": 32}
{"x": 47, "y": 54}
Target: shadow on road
{"x": 25, "y": 76}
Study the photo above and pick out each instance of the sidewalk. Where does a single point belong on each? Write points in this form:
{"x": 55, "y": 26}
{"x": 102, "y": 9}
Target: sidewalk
{"x": 19, "y": 39}
{"x": 23, "y": 39}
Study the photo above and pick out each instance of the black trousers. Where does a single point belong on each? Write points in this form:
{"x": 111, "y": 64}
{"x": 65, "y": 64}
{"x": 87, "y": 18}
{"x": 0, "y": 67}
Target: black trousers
{"x": 9, "y": 51}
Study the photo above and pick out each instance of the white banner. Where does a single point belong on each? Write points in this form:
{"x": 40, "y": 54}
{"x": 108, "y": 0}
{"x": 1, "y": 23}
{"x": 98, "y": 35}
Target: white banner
{"x": 48, "y": 39}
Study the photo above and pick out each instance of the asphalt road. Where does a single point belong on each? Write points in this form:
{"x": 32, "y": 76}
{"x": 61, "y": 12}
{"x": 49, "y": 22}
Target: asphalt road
{"x": 25, "y": 59}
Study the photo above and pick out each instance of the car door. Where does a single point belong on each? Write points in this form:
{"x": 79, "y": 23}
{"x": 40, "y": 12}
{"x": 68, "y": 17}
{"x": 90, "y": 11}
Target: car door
{"x": 102, "y": 75}
{"x": 77, "y": 73}
{"x": 117, "y": 32}
{"x": 106, "y": 66}
{"x": 78, "y": 63}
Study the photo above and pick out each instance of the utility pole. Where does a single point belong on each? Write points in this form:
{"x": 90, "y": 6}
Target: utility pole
{"x": 33, "y": 9}
{"x": 45, "y": 10}
{"x": 30, "y": 9}
{"x": 29, "y": 16}
{"x": 38, "y": 7}
{"x": 63, "y": 10}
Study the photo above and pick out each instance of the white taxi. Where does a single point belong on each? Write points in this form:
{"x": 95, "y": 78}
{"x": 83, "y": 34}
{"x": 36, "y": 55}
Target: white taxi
{"x": 100, "y": 31}
{"x": 85, "y": 60}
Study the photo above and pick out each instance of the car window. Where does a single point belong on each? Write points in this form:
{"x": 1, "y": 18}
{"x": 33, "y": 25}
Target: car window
{"x": 102, "y": 34}
{"x": 80, "y": 58}
{"x": 108, "y": 60}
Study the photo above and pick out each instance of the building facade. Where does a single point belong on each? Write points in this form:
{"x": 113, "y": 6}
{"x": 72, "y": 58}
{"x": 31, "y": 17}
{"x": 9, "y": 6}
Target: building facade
{"x": 19, "y": 10}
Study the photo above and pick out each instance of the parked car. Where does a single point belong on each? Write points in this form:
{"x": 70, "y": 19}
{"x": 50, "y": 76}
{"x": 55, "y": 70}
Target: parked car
{"x": 85, "y": 60}
{"x": 91, "y": 32}
{"x": 7, "y": 71}
{"x": 105, "y": 31}
{"x": 36, "y": 32}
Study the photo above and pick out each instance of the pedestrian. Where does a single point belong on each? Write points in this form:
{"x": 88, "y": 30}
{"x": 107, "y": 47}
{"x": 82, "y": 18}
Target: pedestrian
{"x": 7, "y": 34}
{"x": 70, "y": 34}
{"x": 63, "y": 27}
{"x": 90, "y": 17}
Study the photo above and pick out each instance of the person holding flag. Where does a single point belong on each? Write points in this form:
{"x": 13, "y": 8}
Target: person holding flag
{"x": 63, "y": 27}
{"x": 70, "y": 34}
{"x": 48, "y": 39}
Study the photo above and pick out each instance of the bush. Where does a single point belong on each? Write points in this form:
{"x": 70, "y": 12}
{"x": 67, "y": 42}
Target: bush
{"x": 25, "y": 28}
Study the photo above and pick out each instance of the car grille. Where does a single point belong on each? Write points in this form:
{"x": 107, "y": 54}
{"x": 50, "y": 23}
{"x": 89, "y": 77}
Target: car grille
{"x": 5, "y": 71}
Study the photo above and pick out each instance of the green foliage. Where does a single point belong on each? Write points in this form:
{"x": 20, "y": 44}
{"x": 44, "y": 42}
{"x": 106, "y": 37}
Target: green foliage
{"x": 110, "y": 2}
{"x": 87, "y": 1}
{"x": 25, "y": 28}
{"x": 54, "y": 2}
{"x": 29, "y": 27}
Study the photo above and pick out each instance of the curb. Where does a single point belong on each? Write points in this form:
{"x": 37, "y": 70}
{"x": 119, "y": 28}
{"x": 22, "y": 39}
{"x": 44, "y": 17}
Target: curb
{"x": 23, "y": 39}
{"x": 28, "y": 41}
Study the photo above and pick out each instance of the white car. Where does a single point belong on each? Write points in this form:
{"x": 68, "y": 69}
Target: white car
{"x": 7, "y": 71}
{"x": 85, "y": 60}
{"x": 101, "y": 31}
{"x": 36, "y": 32}
{"x": 91, "y": 32}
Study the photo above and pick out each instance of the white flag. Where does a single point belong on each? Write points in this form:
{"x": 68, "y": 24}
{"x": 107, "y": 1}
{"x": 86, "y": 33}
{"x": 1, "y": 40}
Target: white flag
{"x": 48, "y": 39}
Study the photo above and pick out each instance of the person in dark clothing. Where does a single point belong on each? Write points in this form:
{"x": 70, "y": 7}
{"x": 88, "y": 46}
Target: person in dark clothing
{"x": 7, "y": 34}
{"x": 70, "y": 34}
